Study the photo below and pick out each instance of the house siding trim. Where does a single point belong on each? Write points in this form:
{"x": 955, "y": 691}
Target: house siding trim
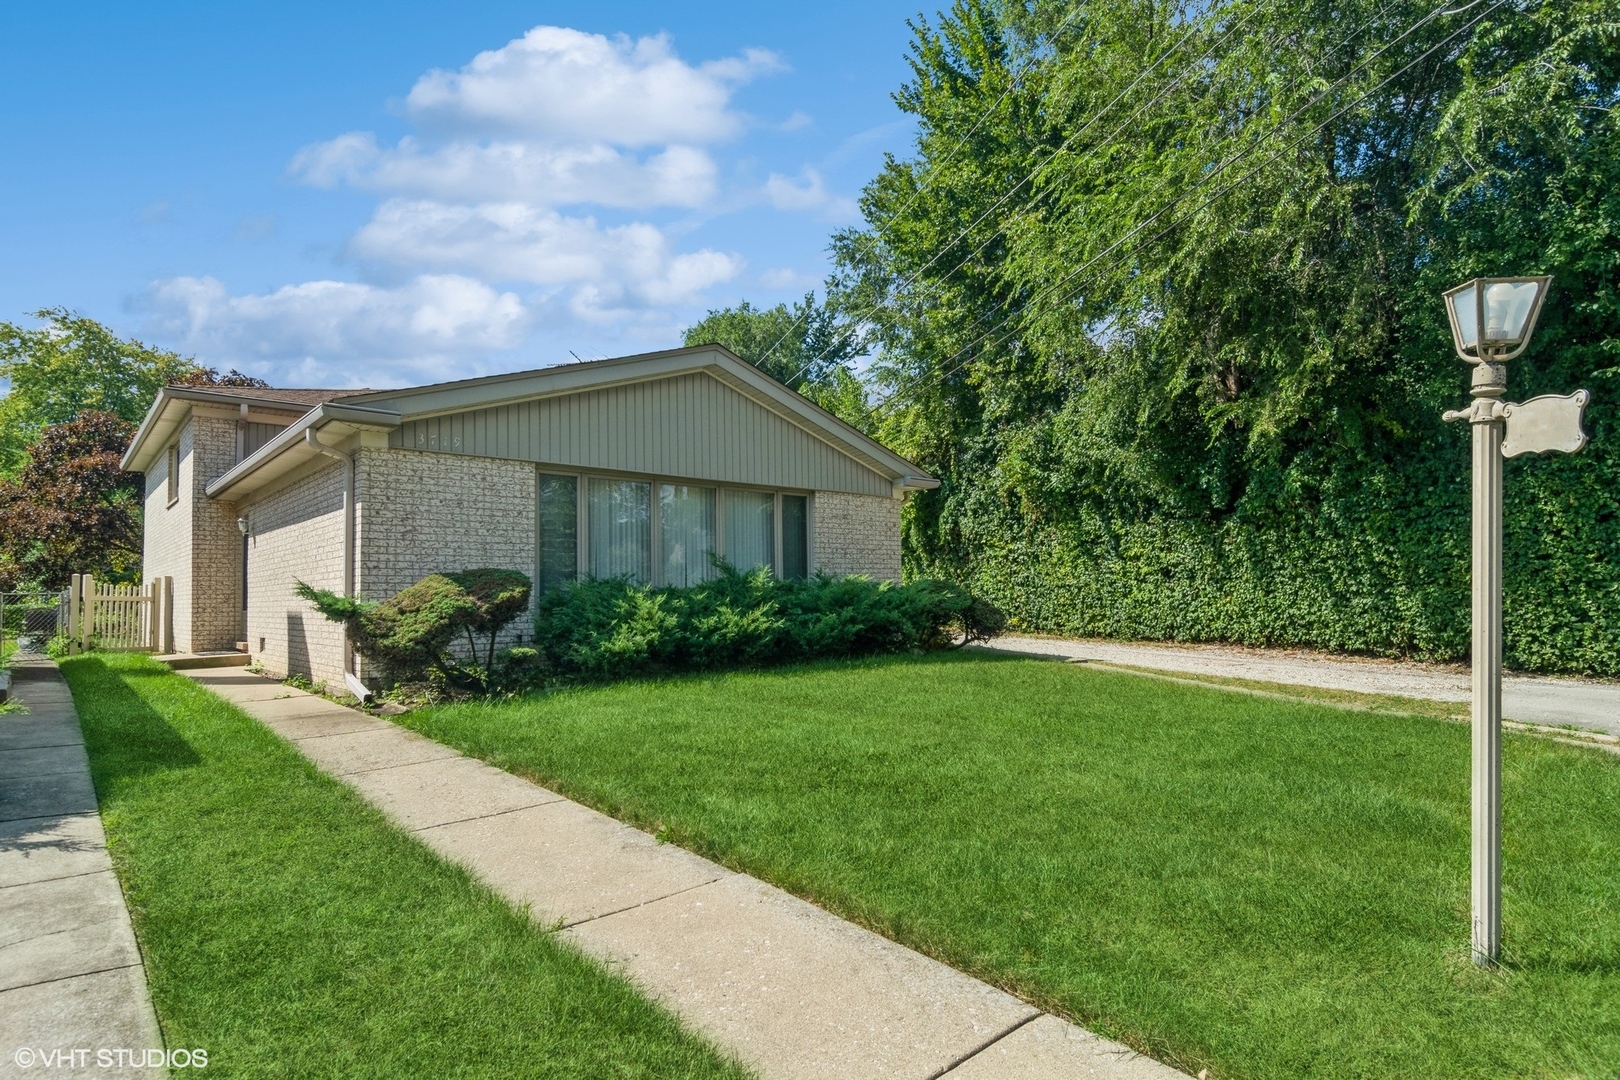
{"x": 691, "y": 427}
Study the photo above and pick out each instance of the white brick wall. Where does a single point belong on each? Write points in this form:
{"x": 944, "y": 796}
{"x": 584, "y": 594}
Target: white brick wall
{"x": 196, "y": 541}
{"x": 857, "y": 534}
{"x": 296, "y": 535}
{"x": 166, "y": 534}
{"x": 423, "y": 513}
{"x": 216, "y": 543}
{"x": 419, "y": 513}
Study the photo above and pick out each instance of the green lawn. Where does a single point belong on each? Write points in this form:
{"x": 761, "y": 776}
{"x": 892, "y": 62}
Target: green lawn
{"x": 291, "y": 931}
{"x": 1262, "y": 887}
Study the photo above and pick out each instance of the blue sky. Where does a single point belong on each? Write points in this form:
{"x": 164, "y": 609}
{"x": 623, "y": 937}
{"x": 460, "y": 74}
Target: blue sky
{"x": 331, "y": 195}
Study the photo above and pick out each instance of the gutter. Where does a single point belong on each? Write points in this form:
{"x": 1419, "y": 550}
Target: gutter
{"x": 294, "y": 434}
{"x": 200, "y": 396}
{"x": 355, "y": 686}
{"x": 905, "y": 485}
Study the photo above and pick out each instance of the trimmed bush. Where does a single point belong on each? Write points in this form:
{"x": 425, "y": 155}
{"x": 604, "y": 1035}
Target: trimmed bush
{"x": 612, "y": 628}
{"x": 409, "y": 634}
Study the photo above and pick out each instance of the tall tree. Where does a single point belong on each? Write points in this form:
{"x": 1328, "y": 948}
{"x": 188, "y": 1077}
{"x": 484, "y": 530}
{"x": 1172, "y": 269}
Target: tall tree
{"x": 70, "y": 508}
{"x": 1158, "y": 298}
{"x": 72, "y": 365}
{"x": 803, "y": 346}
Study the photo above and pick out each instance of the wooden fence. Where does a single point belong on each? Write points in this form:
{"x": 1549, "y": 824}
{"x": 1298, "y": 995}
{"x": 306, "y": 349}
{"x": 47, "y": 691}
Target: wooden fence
{"x": 120, "y": 617}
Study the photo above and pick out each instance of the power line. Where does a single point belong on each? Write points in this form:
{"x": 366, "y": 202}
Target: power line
{"x": 1192, "y": 67}
{"x": 986, "y": 242}
{"x": 928, "y": 179}
{"x": 944, "y": 373}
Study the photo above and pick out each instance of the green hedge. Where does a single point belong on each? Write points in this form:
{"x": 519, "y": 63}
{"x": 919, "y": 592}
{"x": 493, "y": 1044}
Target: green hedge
{"x": 1375, "y": 560}
{"x": 612, "y": 629}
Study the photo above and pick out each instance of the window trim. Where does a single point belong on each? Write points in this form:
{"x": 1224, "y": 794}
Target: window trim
{"x": 173, "y": 479}
{"x": 583, "y": 477}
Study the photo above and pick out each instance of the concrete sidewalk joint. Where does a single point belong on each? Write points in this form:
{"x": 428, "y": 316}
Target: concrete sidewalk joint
{"x": 790, "y": 989}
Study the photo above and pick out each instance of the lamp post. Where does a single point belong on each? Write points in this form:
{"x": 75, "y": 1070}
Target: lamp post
{"x": 1491, "y": 323}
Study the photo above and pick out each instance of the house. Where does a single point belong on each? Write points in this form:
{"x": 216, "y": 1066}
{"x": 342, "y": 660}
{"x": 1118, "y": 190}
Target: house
{"x": 641, "y": 465}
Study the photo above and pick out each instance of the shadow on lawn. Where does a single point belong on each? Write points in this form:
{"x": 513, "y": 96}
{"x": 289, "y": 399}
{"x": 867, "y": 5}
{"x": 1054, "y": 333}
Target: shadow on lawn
{"x": 127, "y": 738}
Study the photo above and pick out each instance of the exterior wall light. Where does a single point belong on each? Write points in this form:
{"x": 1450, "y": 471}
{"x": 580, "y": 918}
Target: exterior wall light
{"x": 242, "y": 525}
{"x": 1492, "y": 320}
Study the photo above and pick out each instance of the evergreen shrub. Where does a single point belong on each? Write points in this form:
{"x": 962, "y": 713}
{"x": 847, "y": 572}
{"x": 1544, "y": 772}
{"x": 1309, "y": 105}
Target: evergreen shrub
{"x": 613, "y": 628}
{"x": 409, "y": 634}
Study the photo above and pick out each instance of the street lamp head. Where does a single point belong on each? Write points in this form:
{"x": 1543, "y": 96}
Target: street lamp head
{"x": 1492, "y": 318}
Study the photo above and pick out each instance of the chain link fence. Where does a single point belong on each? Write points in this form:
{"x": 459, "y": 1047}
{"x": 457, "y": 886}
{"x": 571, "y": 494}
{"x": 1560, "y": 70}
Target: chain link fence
{"x": 28, "y": 620}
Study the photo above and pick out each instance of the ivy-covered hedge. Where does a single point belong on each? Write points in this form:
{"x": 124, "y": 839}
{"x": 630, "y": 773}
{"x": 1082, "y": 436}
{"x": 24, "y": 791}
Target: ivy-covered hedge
{"x": 1376, "y": 560}
{"x": 612, "y": 628}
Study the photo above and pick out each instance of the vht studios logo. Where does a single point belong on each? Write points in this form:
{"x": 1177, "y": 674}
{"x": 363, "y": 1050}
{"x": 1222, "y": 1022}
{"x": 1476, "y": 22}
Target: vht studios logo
{"x": 29, "y": 1057}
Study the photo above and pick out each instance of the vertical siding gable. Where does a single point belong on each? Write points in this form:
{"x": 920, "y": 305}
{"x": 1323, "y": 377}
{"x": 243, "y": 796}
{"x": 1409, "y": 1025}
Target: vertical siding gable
{"x": 688, "y": 425}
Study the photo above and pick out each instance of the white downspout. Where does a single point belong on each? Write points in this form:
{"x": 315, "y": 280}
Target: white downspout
{"x": 355, "y": 686}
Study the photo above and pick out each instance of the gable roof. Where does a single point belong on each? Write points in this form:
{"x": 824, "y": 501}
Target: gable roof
{"x": 280, "y": 394}
{"x": 421, "y": 402}
{"x": 174, "y": 402}
{"x": 355, "y": 410}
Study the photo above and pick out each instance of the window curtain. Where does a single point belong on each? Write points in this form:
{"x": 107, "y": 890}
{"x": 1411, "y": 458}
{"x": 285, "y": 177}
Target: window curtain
{"x": 685, "y": 533}
{"x": 795, "y": 536}
{"x": 620, "y": 529}
{"x": 750, "y": 529}
{"x": 559, "y": 531}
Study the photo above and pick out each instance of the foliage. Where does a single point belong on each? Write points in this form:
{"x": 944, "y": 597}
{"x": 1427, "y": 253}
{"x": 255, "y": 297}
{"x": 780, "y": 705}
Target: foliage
{"x": 207, "y": 376}
{"x": 802, "y": 346}
{"x": 498, "y": 597}
{"x": 72, "y": 365}
{"x": 409, "y": 634}
{"x": 1187, "y": 380}
{"x": 70, "y": 508}
{"x": 612, "y": 628}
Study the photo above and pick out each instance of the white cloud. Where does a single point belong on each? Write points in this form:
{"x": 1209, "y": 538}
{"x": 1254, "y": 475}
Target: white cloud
{"x": 556, "y": 117}
{"x": 558, "y": 83}
{"x": 341, "y": 332}
{"x": 551, "y": 175}
{"x": 809, "y": 193}
{"x": 620, "y": 265}
{"x": 784, "y": 277}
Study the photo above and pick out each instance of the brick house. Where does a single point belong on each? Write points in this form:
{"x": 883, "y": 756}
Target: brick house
{"x": 641, "y": 465}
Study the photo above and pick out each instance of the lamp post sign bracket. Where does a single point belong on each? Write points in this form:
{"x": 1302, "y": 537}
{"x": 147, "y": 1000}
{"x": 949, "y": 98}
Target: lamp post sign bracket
{"x": 1548, "y": 422}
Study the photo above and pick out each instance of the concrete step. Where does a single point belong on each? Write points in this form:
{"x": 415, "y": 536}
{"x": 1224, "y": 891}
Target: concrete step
{"x": 188, "y": 661}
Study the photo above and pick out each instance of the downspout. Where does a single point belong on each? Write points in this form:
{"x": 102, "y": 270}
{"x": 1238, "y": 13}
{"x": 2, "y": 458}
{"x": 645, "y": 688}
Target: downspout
{"x": 350, "y": 679}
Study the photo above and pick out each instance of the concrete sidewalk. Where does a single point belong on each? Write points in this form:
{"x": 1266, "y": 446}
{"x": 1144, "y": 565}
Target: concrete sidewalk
{"x": 70, "y": 971}
{"x": 1584, "y": 703}
{"x": 792, "y": 990}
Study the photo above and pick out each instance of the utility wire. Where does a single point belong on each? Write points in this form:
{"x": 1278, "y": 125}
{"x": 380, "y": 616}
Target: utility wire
{"x": 1012, "y": 84}
{"x": 1140, "y": 247}
{"x": 1099, "y": 114}
{"x": 944, "y": 373}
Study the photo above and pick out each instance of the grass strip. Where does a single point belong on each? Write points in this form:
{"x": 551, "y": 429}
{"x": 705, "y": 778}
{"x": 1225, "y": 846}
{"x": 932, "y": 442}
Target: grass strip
{"x": 1257, "y": 886}
{"x": 1344, "y": 699}
{"x": 291, "y": 931}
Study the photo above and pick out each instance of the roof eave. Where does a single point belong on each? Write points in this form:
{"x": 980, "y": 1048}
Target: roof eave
{"x": 137, "y": 458}
{"x": 237, "y": 481}
{"x": 487, "y": 392}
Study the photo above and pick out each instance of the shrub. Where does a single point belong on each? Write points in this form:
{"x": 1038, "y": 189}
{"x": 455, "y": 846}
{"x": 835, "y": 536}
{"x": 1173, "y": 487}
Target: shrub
{"x": 612, "y": 628}
{"x": 408, "y": 635}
